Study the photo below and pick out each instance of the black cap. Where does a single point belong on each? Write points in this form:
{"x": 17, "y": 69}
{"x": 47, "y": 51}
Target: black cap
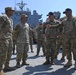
{"x": 50, "y": 13}
{"x": 66, "y": 10}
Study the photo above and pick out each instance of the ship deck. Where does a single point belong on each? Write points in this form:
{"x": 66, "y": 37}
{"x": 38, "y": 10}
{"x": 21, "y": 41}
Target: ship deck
{"x": 36, "y": 66}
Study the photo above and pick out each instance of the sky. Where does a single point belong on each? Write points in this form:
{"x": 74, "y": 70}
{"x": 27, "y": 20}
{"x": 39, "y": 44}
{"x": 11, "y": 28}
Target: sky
{"x": 41, "y": 6}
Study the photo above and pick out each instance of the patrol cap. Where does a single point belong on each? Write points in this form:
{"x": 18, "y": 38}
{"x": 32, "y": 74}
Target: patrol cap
{"x": 24, "y": 15}
{"x": 50, "y": 13}
{"x": 66, "y": 10}
{"x": 9, "y": 8}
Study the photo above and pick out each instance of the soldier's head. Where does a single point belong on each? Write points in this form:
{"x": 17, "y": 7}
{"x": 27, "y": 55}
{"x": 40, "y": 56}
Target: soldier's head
{"x": 51, "y": 16}
{"x": 24, "y": 18}
{"x": 40, "y": 25}
{"x": 68, "y": 12}
{"x": 9, "y": 11}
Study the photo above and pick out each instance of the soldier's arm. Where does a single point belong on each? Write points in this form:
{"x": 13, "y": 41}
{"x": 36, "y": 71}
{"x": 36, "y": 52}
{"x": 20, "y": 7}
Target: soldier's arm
{"x": 74, "y": 29}
{"x": 3, "y": 24}
{"x": 17, "y": 27}
{"x": 1, "y": 21}
{"x": 58, "y": 25}
{"x": 30, "y": 31}
{"x": 48, "y": 25}
{"x": 16, "y": 31}
{"x": 75, "y": 22}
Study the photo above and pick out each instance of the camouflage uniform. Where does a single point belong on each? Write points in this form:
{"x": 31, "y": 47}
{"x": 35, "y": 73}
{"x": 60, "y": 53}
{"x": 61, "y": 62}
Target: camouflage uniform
{"x": 31, "y": 39}
{"x": 6, "y": 45}
{"x": 74, "y": 44}
{"x": 68, "y": 26}
{"x": 40, "y": 40}
{"x": 22, "y": 35}
{"x": 51, "y": 36}
{"x": 60, "y": 42}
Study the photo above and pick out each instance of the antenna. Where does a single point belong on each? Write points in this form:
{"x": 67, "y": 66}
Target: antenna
{"x": 21, "y": 5}
{"x": 15, "y": 5}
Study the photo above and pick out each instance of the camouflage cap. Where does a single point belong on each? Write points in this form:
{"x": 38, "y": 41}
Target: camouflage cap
{"x": 24, "y": 15}
{"x": 50, "y": 13}
{"x": 9, "y": 8}
{"x": 67, "y": 10}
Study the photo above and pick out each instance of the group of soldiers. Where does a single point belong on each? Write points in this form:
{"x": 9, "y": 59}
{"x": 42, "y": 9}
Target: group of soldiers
{"x": 9, "y": 37}
{"x": 51, "y": 35}
{"x": 54, "y": 34}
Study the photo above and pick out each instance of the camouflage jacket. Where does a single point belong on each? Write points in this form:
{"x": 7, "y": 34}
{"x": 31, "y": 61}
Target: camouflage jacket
{"x": 39, "y": 33}
{"x": 69, "y": 26}
{"x": 6, "y": 27}
{"x": 22, "y": 33}
{"x": 53, "y": 30}
{"x": 31, "y": 33}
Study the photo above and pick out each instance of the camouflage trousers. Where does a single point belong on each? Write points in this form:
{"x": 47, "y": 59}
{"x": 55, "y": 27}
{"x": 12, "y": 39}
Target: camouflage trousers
{"x": 39, "y": 44}
{"x": 22, "y": 49}
{"x": 69, "y": 48}
{"x": 31, "y": 44}
{"x": 6, "y": 47}
{"x": 60, "y": 42}
{"x": 50, "y": 48}
{"x": 14, "y": 44}
{"x": 74, "y": 49}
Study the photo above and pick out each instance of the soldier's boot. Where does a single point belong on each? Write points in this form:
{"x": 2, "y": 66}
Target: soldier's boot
{"x": 31, "y": 48}
{"x": 18, "y": 65}
{"x": 52, "y": 61}
{"x": 14, "y": 50}
{"x": 7, "y": 68}
{"x": 24, "y": 63}
{"x": 32, "y": 51}
{"x": 1, "y": 72}
{"x": 37, "y": 54}
{"x": 68, "y": 64}
{"x": 75, "y": 65}
{"x": 44, "y": 54}
{"x": 38, "y": 50}
{"x": 56, "y": 57}
{"x": 62, "y": 58}
{"x": 56, "y": 54}
{"x": 46, "y": 62}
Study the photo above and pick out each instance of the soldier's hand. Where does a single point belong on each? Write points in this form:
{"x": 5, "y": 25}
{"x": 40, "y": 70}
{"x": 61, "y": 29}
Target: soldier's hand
{"x": 48, "y": 26}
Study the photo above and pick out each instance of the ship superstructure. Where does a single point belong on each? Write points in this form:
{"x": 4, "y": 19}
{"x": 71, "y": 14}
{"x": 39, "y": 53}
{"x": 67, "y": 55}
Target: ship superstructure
{"x": 33, "y": 19}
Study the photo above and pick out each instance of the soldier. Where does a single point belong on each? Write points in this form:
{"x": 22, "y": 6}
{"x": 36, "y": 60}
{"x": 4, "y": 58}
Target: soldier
{"x": 74, "y": 44}
{"x": 40, "y": 39}
{"x": 14, "y": 44}
{"x": 6, "y": 45}
{"x": 22, "y": 35}
{"x": 50, "y": 34}
{"x": 31, "y": 39}
{"x": 60, "y": 43}
{"x": 68, "y": 25}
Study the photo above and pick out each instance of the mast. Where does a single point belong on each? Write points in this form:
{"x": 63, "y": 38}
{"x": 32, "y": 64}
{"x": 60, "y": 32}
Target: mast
{"x": 21, "y": 5}
{"x": 15, "y": 5}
